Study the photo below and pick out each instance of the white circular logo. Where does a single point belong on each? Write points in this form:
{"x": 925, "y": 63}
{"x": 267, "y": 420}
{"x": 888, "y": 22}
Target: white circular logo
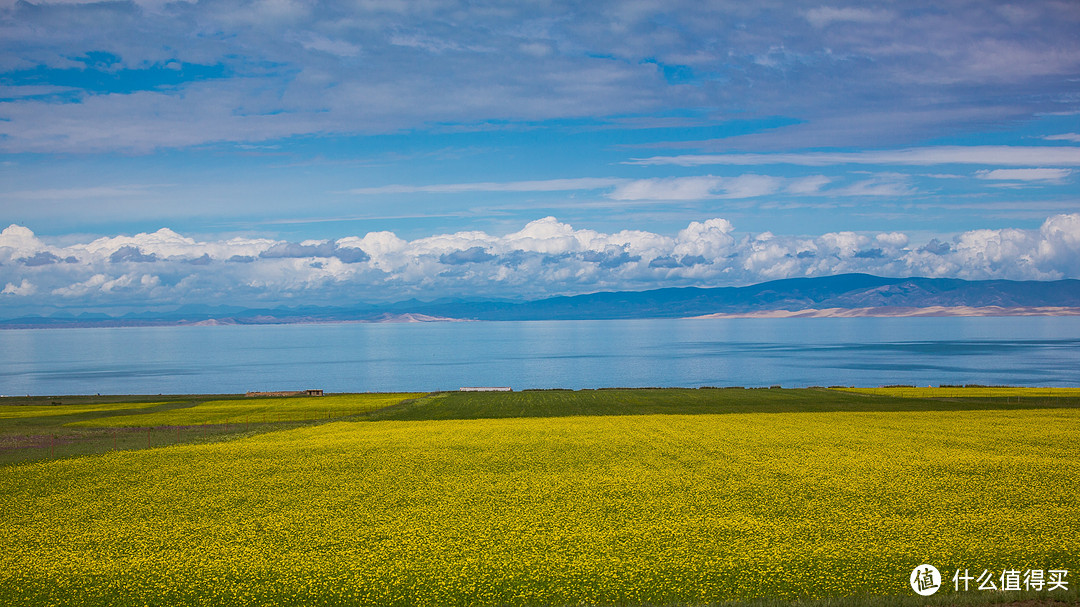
{"x": 925, "y": 580}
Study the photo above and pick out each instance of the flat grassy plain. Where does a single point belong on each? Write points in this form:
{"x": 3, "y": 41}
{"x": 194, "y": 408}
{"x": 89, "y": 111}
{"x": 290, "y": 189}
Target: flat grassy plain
{"x": 605, "y": 497}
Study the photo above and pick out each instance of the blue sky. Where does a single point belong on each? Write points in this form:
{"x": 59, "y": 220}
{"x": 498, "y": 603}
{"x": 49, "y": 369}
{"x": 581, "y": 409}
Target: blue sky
{"x": 158, "y": 153}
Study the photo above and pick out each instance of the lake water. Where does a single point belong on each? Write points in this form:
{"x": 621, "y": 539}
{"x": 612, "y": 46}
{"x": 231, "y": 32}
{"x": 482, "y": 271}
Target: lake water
{"x": 1043, "y": 351}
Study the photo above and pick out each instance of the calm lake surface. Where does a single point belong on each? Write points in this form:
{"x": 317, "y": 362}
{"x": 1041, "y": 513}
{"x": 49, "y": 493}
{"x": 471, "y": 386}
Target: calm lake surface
{"x": 1042, "y": 351}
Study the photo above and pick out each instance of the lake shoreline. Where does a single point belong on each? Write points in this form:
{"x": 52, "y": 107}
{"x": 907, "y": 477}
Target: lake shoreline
{"x": 904, "y": 312}
{"x": 864, "y": 312}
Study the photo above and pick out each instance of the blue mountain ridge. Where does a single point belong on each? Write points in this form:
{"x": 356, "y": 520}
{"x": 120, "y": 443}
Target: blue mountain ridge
{"x": 840, "y": 291}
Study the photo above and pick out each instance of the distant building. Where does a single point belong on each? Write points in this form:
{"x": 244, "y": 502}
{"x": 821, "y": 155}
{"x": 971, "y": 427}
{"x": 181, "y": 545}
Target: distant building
{"x": 287, "y": 393}
{"x": 486, "y": 389}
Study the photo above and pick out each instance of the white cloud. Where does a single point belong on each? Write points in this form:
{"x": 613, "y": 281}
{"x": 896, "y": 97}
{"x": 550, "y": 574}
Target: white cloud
{"x": 1049, "y": 175}
{"x": 125, "y": 284}
{"x": 1064, "y": 229}
{"x": 340, "y": 48}
{"x": 808, "y": 185}
{"x": 1050, "y": 253}
{"x": 895, "y": 240}
{"x": 20, "y": 241}
{"x": 750, "y": 186}
{"x": 825, "y": 15}
{"x": 1074, "y": 137}
{"x": 166, "y": 244}
{"x": 24, "y": 288}
{"x": 770, "y": 259}
{"x": 843, "y": 244}
{"x": 673, "y": 188}
{"x": 994, "y": 248}
{"x": 925, "y": 156}
{"x": 710, "y": 239}
{"x": 1058, "y": 248}
{"x": 550, "y": 236}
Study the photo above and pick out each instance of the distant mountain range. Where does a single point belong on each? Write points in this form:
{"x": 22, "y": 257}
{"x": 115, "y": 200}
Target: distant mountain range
{"x": 842, "y": 295}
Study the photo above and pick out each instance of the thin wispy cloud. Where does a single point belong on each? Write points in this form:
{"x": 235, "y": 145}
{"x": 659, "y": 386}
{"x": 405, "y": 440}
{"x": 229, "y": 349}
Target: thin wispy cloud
{"x": 81, "y": 193}
{"x": 673, "y": 188}
{"x": 1051, "y": 175}
{"x": 879, "y": 185}
{"x": 808, "y": 185}
{"x": 705, "y": 187}
{"x": 927, "y": 156}
{"x": 1073, "y": 137}
{"x": 547, "y": 185}
{"x": 825, "y": 15}
{"x": 698, "y": 188}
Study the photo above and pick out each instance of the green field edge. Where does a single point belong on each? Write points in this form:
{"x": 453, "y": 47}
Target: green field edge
{"x": 691, "y": 401}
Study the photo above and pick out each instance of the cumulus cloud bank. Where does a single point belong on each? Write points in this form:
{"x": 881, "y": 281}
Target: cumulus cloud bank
{"x": 546, "y": 257}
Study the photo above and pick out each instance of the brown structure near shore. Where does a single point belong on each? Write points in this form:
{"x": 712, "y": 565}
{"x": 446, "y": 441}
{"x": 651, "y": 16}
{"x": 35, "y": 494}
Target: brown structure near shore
{"x": 287, "y": 393}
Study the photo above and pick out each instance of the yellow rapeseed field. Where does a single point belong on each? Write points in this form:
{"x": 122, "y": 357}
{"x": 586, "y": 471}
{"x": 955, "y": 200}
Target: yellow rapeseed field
{"x": 257, "y": 410}
{"x": 577, "y": 510}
